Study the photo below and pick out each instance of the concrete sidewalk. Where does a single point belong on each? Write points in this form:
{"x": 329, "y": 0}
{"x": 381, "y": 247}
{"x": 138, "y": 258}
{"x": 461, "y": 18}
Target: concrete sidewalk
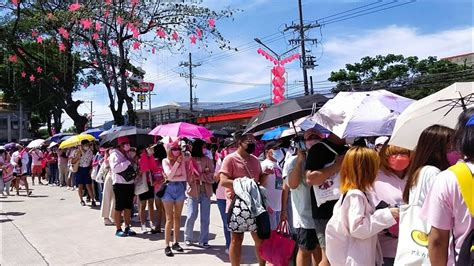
{"x": 52, "y": 228}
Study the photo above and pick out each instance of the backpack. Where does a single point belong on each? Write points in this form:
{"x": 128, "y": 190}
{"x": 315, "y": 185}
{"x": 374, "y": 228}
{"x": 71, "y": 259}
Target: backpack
{"x": 466, "y": 183}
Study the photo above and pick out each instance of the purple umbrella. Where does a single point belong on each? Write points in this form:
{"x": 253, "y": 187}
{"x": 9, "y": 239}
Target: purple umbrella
{"x": 181, "y": 130}
{"x": 10, "y": 145}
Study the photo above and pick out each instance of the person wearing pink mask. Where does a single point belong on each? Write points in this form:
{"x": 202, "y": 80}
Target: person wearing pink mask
{"x": 175, "y": 170}
{"x": 229, "y": 147}
{"x": 388, "y": 191}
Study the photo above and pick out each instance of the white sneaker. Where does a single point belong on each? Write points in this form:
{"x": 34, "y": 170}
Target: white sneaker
{"x": 144, "y": 230}
{"x": 226, "y": 251}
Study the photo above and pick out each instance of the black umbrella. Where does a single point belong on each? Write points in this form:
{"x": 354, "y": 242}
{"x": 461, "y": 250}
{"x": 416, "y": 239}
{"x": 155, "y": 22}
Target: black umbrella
{"x": 138, "y": 137}
{"x": 285, "y": 112}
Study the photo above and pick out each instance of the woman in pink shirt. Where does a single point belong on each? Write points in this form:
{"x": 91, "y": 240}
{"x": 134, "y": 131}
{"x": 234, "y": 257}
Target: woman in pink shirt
{"x": 389, "y": 186}
{"x": 351, "y": 233}
{"x": 158, "y": 180}
{"x": 445, "y": 208}
{"x": 147, "y": 166}
{"x": 175, "y": 170}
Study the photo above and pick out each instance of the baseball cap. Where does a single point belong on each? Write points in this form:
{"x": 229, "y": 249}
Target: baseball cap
{"x": 122, "y": 140}
{"x": 381, "y": 140}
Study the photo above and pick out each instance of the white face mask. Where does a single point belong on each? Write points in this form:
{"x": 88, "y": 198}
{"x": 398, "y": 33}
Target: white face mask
{"x": 278, "y": 155}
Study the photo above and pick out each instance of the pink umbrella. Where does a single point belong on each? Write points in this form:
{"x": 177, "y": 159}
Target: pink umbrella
{"x": 181, "y": 130}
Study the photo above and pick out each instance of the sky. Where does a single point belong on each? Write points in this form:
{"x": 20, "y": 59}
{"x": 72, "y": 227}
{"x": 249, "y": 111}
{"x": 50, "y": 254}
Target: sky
{"x": 422, "y": 28}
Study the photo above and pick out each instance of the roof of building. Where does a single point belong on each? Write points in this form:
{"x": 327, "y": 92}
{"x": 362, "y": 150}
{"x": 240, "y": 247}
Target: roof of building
{"x": 207, "y": 106}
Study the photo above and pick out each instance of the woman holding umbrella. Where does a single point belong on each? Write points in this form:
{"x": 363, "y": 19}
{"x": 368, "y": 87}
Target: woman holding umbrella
{"x": 174, "y": 168}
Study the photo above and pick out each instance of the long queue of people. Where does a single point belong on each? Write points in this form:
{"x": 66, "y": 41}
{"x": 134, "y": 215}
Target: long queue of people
{"x": 342, "y": 201}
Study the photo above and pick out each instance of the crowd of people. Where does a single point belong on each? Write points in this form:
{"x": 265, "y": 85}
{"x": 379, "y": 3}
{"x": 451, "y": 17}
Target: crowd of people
{"x": 342, "y": 201}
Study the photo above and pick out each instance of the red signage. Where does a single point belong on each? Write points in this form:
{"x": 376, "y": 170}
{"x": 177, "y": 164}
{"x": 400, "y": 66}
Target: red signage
{"x": 144, "y": 87}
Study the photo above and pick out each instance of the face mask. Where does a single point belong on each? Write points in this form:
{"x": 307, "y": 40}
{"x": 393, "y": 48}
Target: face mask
{"x": 132, "y": 154}
{"x": 399, "y": 162}
{"x": 126, "y": 147}
{"x": 176, "y": 153}
{"x": 310, "y": 143}
{"x": 453, "y": 157}
{"x": 85, "y": 148}
{"x": 250, "y": 148}
{"x": 277, "y": 155}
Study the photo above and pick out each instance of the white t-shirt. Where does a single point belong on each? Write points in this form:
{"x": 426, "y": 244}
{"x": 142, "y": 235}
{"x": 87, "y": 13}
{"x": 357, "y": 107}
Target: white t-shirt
{"x": 426, "y": 178}
{"x": 274, "y": 184}
{"x": 300, "y": 197}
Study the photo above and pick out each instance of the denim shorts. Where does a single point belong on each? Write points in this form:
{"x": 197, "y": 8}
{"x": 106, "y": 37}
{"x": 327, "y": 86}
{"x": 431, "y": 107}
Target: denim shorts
{"x": 175, "y": 192}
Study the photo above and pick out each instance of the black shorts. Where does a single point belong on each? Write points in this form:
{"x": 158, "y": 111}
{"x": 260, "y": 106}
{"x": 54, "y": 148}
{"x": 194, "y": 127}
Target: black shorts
{"x": 150, "y": 194}
{"x": 124, "y": 194}
{"x": 306, "y": 239}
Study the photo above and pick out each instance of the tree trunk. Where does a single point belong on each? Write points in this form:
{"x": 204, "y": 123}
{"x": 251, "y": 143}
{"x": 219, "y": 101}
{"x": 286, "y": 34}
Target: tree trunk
{"x": 80, "y": 121}
{"x": 48, "y": 123}
{"x": 57, "y": 124}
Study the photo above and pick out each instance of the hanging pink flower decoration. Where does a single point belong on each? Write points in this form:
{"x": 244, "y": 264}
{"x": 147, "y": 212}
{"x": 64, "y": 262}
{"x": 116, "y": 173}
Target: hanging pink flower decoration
{"x": 114, "y": 43}
{"x": 211, "y": 22}
{"x": 34, "y": 34}
{"x": 119, "y": 20}
{"x": 86, "y": 23}
{"x": 12, "y": 58}
{"x": 39, "y": 39}
{"x": 32, "y": 78}
{"x": 161, "y": 33}
{"x": 153, "y": 50}
{"x": 15, "y": 2}
{"x": 199, "y": 33}
{"x": 136, "y": 45}
{"x": 94, "y": 62}
{"x": 175, "y": 36}
{"x": 62, "y": 47}
{"x": 74, "y": 7}
{"x": 95, "y": 36}
{"x": 100, "y": 44}
{"x": 85, "y": 84}
{"x": 135, "y": 2}
{"x": 76, "y": 43}
{"x": 39, "y": 70}
{"x": 23, "y": 74}
{"x": 136, "y": 33}
{"x": 126, "y": 74}
{"x": 193, "y": 39}
{"x": 106, "y": 13}
{"x": 86, "y": 44}
{"x": 64, "y": 33}
{"x": 103, "y": 51}
{"x": 108, "y": 2}
{"x": 98, "y": 26}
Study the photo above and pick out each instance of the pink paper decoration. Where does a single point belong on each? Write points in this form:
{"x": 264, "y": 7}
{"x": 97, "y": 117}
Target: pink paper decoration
{"x": 175, "y": 36}
{"x": 106, "y": 13}
{"x": 12, "y": 58}
{"x": 136, "y": 45}
{"x": 161, "y": 33}
{"x": 63, "y": 33}
{"x": 39, "y": 69}
{"x": 193, "y": 39}
{"x": 95, "y": 36}
{"x": 32, "y": 78}
{"x": 135, "y": 2}
{"x": 94, "y": 62}
{"x": 62, "y": 47}
{"x": 86, "y": 23}
{"x": 114, "y": 43}
{"x": 199, "y": 33}
{"x": 39, "y": 39}
{"x": 211, "y": 22}
{"x": 119, "y": 20}
{"x": 136, "y": 33}
{"x": 108, "y": 2}
{"x": 126, "y": 74}
{"x": 15, "y": 2}
{"x": 153, "y": 50}
{"x": 34, "y": 34}
{"x": 98, "y": 26}
{"x": 103, "y": 51}
{"x": 74, "y": 7}
{"x": 23, "y": 74}
{"x": 100, "y": 44}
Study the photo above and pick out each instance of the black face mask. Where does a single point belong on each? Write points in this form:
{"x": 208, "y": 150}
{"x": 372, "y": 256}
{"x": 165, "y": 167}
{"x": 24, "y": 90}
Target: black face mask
{"x": 250, "y": 148}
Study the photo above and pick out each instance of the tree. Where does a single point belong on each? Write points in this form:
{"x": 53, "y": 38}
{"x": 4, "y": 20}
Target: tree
{"x": 108, "y": 34}
{"x": 407, "y": 76}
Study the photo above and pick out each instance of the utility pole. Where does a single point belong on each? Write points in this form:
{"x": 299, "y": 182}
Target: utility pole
{"x": 311, "y": 82}
{"x": 190, "y": 65}
{"x": 300, "y": 29}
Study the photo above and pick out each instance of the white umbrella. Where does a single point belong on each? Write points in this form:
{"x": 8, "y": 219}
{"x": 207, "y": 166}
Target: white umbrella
{"x": 52, "y": 144}
{"x": 36, "y": 143}
{"x": 442, "y": 108}
{"x": 361, "y": 114}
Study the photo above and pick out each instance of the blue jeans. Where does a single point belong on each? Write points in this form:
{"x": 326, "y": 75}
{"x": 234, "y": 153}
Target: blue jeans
{"x": 53, "y": 173}
{"x": 221, "y": 203}
{"x": 192, "y": 213}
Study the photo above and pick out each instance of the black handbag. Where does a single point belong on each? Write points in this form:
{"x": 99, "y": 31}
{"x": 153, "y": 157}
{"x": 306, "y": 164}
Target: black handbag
{"x": 161, "y": 192}
{"x": 129, "y": 174}
{"x": 264, "y": 229}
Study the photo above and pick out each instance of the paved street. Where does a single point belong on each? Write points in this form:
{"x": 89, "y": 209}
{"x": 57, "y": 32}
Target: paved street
{"x": 51, "y": 228}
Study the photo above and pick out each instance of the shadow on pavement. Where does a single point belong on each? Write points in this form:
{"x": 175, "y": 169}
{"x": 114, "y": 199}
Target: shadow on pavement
{"x": 218, "y": 251}
{"x": 5, "y": 220}
{"x": 7, "y": 201}
{"x": 13, "y": 213}
{"x": 39, "y": 196}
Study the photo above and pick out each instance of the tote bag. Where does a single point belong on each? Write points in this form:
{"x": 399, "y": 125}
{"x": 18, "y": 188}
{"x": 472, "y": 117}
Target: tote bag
{"x": 329, "y": 190}
{"x": 278, "y": 250}
{"x": 413, "y": 233}
{"x": 141, "y": 185}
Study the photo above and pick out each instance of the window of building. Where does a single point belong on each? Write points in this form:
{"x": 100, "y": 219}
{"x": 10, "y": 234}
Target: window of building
{"x": 3, "y": 123}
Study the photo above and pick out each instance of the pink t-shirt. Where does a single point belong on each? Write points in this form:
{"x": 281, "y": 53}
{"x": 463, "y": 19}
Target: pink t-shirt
{"x": 389, "y": 188}
{"x": 445, "y": 209}
{"x": 36, "y": 157}
{"x": 176, "y": 172}
{"x": 220, "y": 192}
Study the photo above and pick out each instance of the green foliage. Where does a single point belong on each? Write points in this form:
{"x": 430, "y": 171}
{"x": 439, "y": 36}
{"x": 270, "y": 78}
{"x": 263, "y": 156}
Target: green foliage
{"x": 70, "y": 130}
{"x": 407, "y": 76}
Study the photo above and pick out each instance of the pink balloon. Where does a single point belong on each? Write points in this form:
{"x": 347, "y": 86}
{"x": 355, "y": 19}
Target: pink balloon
{"x": 280, "y": 70}
{"x": 278, "y": 81}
